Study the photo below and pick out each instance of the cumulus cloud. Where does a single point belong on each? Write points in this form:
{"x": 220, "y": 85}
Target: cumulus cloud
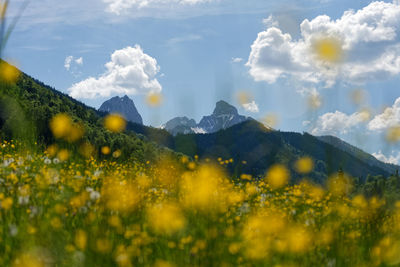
{"x": 130, "y": 72}
{"x": 118, "y": 6}
{"x": 336, "y": 123}
{"x": 251, "y": 107}
{"x": 341, "y": 123}
{"x": 368, "y": 38}
{"x": 69, "y": 60}
{"x": 390, "y": 117}
{"x": 393, "y": 158}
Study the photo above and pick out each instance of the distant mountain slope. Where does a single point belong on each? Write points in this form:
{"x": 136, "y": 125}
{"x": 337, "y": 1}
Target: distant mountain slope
{"x": 182, "y": 125}
{"x": 124, "y": 106}
{"x": 371, "y": 160}
{"x": 259, "y": 148}
{"x": 223, "y": 117}
{"x": 27, "y": 106}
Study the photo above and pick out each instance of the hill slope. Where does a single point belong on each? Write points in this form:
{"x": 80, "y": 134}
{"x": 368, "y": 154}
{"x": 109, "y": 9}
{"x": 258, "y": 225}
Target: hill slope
{"x": 27, "y": 106}
{"x": 355, "y": 151}
{"x": 259, "y": 148}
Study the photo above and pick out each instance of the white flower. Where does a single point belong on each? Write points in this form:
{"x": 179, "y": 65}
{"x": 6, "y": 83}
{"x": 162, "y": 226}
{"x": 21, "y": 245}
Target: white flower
{"x": 13, "y": 230}
{"x": 94, "y": 195}
{"x": 23, "y": 200}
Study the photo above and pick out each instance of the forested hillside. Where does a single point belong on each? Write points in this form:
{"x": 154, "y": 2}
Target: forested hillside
{"x": 28, "y": 105}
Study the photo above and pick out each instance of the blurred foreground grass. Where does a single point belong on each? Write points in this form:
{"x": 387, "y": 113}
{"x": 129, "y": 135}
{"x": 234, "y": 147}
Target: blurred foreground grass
{"x": 85, "y": 212}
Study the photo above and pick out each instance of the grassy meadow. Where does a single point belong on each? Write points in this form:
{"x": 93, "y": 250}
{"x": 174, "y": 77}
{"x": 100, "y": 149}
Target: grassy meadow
{"x": 58, "y": 209}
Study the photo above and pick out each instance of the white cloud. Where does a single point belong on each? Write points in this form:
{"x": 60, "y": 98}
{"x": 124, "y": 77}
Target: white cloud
{"x": 71, "y": 63}
{"x": 341, "y": 123}
{"x": 67, "y": 62}
{"x": 236, "y": 60}
{"x": 393, "y": 158}
{"x": 130, "y": 71}
{"x": 270, "y": 22}
{"x": 118, "y": 6}
{"x": 389, "y": 118}
{"x": 338, "y": 123}
{"x": 251, "y": 107}
{"x": 369, "y": 39}
{"x": 79, "y": 61}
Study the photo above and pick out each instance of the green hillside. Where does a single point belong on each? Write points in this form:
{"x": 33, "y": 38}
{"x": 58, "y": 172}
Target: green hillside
{"x": 27, "y": 106}
{"x": 254, "y": 149}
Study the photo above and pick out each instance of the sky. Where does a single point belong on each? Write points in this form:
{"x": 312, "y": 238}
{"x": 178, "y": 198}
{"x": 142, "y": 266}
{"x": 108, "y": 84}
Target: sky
{"x": 257, "y": 55}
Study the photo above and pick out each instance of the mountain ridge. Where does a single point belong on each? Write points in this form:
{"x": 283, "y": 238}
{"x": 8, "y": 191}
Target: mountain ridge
{"x": 223, "y": 116}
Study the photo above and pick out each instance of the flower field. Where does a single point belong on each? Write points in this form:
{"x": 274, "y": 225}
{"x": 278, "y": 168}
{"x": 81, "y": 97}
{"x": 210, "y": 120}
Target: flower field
{"x": 85, "y": 212}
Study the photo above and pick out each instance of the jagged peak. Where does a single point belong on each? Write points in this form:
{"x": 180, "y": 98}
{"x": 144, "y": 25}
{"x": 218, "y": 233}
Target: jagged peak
{"x": 124, "y": 106}
{"x": 222, "y": 107}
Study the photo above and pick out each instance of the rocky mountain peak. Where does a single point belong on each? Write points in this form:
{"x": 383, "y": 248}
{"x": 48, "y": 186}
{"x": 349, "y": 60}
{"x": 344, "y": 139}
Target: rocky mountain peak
{"x": 223, "y": 117}
{"x": 124, "y": 106}
{"x": 223, "y": 108}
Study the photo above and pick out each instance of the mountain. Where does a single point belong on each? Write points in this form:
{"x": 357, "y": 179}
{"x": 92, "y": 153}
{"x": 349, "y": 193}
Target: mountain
{"x": 181, "y": 125}
{"x": 254, "y": 148}
{"x": 28, "y": 105}
{"x": 224, "y": 116}
{"x": 123, "y": 106}
{"x": 371, "y": 160}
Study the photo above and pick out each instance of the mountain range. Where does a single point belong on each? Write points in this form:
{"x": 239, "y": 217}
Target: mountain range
{"x": 226, "y": 134}
{"x": 246, "y": 145}
{"x": 223, "y": 117}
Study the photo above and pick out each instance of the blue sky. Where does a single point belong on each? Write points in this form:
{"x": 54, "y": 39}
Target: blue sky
{"x": 196, "y": 52}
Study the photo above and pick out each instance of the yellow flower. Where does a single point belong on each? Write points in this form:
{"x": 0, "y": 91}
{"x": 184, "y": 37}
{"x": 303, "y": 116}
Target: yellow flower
{"x": 206, "y": 189}
{"x": 6, "y": 203}
{"x": 86, "y": 149}
{"x": 270, "y": 120}
{"x": 8, "y": 73}
{"x": 80, "y": 239}
{"x": 304, "y": 165}
{"x": 166, "y": 218}
{"x": 61, "y": 125}
{"x": 103, "y": 245}
{"x": 56, "y": 223}
{"x": 162, "y": 263}
{"x": 28, "y": 260}
{"x": 277, "y": 176}
{"x": 393, "y": 134}
{"x": 314, "y": 101}
{"x": 120, "y": 196}
{"x": 328, "y": 49}
{"x": 114, "y": 123}
{"x": 63, "y": 154}
{"x": 299, "y": 239}
{"x": 154, "y": 99}
{"x": 243, "y": 97}
{"x": 52, "y": 150}
{"x": 105, "y": 150}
